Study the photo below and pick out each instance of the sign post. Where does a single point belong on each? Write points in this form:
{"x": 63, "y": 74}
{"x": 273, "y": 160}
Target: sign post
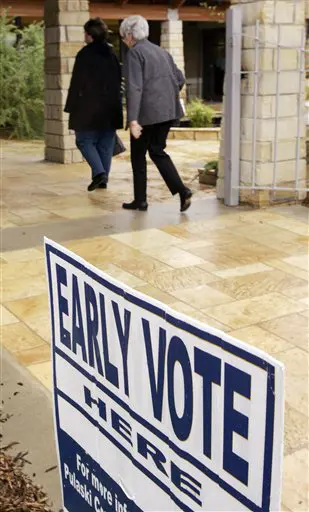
{"x": 155, "y": 411}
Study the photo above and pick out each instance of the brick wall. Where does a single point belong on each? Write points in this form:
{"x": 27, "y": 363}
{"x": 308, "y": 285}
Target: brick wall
{"x": 291, "y": 20}
{"x": 64, "y": 37}
{"x": 172, "y": 41}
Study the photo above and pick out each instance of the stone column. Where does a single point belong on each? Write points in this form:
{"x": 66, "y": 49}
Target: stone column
{"x": 64, "y": 37}
{"x": 291, "y": 19}
{"x": 172, "y": 41}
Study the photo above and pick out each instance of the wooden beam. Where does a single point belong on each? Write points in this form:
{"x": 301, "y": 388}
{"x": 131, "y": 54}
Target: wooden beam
{"x": 32, "y": 9}
{"x": 203, "y": 13}
{"x": 119, "y": 12}
{"x": 35, "y": 9}
{"x": 176, "y": 4}
{"x": 123, "y": 2}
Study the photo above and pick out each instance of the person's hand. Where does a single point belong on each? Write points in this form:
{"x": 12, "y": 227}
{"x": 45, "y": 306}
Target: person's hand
{"x": 136, "y": 129}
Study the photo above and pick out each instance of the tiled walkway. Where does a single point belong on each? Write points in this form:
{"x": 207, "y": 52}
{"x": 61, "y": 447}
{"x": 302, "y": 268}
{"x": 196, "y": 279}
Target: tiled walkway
{"x": 36, "y": 192}
{"x": 244, "y": 272}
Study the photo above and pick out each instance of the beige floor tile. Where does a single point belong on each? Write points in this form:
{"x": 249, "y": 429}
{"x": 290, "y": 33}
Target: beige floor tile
{"x": 296, "y": 392}
{"x": 41, "y": 325}
{"x": 187, "y": 246}
{"x": 220, "y": 237}
{"x": 122, "y": 275}
{"x": 295, "y": 430}
{"x": 212, "y": 268}
{"x": 60, "y": 190}
{"x": 296, "y": 361}
{"x": 80, "y": 212}
{"x": 103, "y": 252}
{"x": 100, "y": 247}
{"x": 179, "y": 231}
{"x": 262, "y": 339}
{"x": 155, "y": 293}
{"x": 297, "y": 292}
{"x": 222, "y": 262}
{"x": 35, "y": 355}
{"x": 293, "y": 328}
{"x": 24, "y": 287}
{"x": 305, "y": 314}
{"x": 288, "y": 268}
{"x": 6, "y": 317}
{"x": 142, "y": 266}
{"x": 218, "y": 223}
{"x": 201, "y": 297}
{"x": 295, "y": 481}
{"x": 253, "y": 285}
{"x": 182, "y": 307}
{"x": 258, "y": 216}
{"x": 235, "y": 255}
{"x": 301, "y": 261}
{"x": 274, "y": 237}
{"x": 23, "y": 268}
{"x": 305, "y": 301}
{"x": 30, "y": 307}
{"x": 198, "y": 315}
{"x": 6, "y": 223}
{"x": 174, "y": 257}
{"x": 76, "y": 200}
{"x": 147, "y": 239}
{"x": 242, "y": 313}
{"x": 32, "y": 216}
{"x": 23, "y": 255}
{"x": 244, "y": 270}
{"x": 301, "y": 228}
{"x": 17, "y": 337}
{"x": 289, "y": 248}
{"x": 180, "y": 278}
{"x": 43, "y": 372}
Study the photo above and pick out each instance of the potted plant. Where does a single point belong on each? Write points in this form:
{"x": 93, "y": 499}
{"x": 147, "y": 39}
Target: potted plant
{"x": 209, "y": 174}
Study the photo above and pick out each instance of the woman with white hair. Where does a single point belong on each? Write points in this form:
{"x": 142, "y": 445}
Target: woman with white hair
{"x": 153, "y": 84}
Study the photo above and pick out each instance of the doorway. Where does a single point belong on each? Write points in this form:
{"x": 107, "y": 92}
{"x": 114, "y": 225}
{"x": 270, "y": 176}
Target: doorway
{"x": 213, "y": 64}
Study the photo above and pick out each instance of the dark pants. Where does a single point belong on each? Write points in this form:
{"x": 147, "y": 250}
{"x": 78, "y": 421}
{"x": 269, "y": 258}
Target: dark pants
{"x": 153, "y": 139}
{"x": 97, "y": 148}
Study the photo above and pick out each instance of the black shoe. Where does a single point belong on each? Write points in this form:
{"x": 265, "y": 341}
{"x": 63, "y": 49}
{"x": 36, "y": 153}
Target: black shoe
{"x": 135, "y": 206}
{"x": 185, "y": 200}
{"x": 97, "y": 181}
{"x": 103, "y": 185}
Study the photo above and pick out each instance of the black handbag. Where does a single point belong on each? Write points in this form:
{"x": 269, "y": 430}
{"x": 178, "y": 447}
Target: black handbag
{"x": 119, "y": 146}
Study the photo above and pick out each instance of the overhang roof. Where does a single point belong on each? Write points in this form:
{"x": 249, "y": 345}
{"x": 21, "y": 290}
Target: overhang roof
{"x": 189, "y": 10}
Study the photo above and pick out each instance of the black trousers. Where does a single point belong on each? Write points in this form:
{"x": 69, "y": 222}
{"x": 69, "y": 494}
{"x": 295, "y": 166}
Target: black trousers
{"x": 153, "y": 140}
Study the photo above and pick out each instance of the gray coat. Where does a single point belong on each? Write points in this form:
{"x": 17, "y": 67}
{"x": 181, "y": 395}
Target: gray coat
{"x": 153, "y": 82}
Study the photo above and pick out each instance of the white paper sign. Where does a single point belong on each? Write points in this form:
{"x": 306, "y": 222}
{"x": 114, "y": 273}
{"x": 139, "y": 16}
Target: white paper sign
{"x": 155, "y": 411}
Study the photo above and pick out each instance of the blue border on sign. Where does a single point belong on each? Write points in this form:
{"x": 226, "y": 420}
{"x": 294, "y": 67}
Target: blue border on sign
{"x": 210, "y": 338}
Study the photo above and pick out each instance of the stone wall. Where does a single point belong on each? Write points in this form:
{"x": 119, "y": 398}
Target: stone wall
{"x": 64, "y": 36}
{"x": 291, "y": 21}
{"x": 172, "y": 41}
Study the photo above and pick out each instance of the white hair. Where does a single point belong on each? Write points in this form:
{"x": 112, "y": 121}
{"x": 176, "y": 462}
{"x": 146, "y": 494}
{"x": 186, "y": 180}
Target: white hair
{"x": 137, "y": 26}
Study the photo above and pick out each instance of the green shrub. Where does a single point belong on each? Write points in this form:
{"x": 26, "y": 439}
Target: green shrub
{"x": 212, "y": 166}
{"x": 22, "y": 81}
{"x": 199, "y": 114}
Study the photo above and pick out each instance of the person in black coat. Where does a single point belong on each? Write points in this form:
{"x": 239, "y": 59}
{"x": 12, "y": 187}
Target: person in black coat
{"x": 94, "y": 101}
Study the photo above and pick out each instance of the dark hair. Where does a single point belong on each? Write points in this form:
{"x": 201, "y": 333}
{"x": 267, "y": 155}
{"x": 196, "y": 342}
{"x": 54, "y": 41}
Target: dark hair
{"x": 97, "y": 29}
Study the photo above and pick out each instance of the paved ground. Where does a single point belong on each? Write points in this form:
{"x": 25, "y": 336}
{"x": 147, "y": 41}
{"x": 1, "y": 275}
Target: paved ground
{"x": 36, "y": 192}
{"x": 243, "y": 271}
{"x": 29, "y": 406}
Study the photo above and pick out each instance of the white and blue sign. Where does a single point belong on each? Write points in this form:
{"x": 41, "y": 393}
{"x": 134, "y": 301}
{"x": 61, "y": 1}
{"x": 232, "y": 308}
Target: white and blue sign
{"x": 155, "y": 411}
